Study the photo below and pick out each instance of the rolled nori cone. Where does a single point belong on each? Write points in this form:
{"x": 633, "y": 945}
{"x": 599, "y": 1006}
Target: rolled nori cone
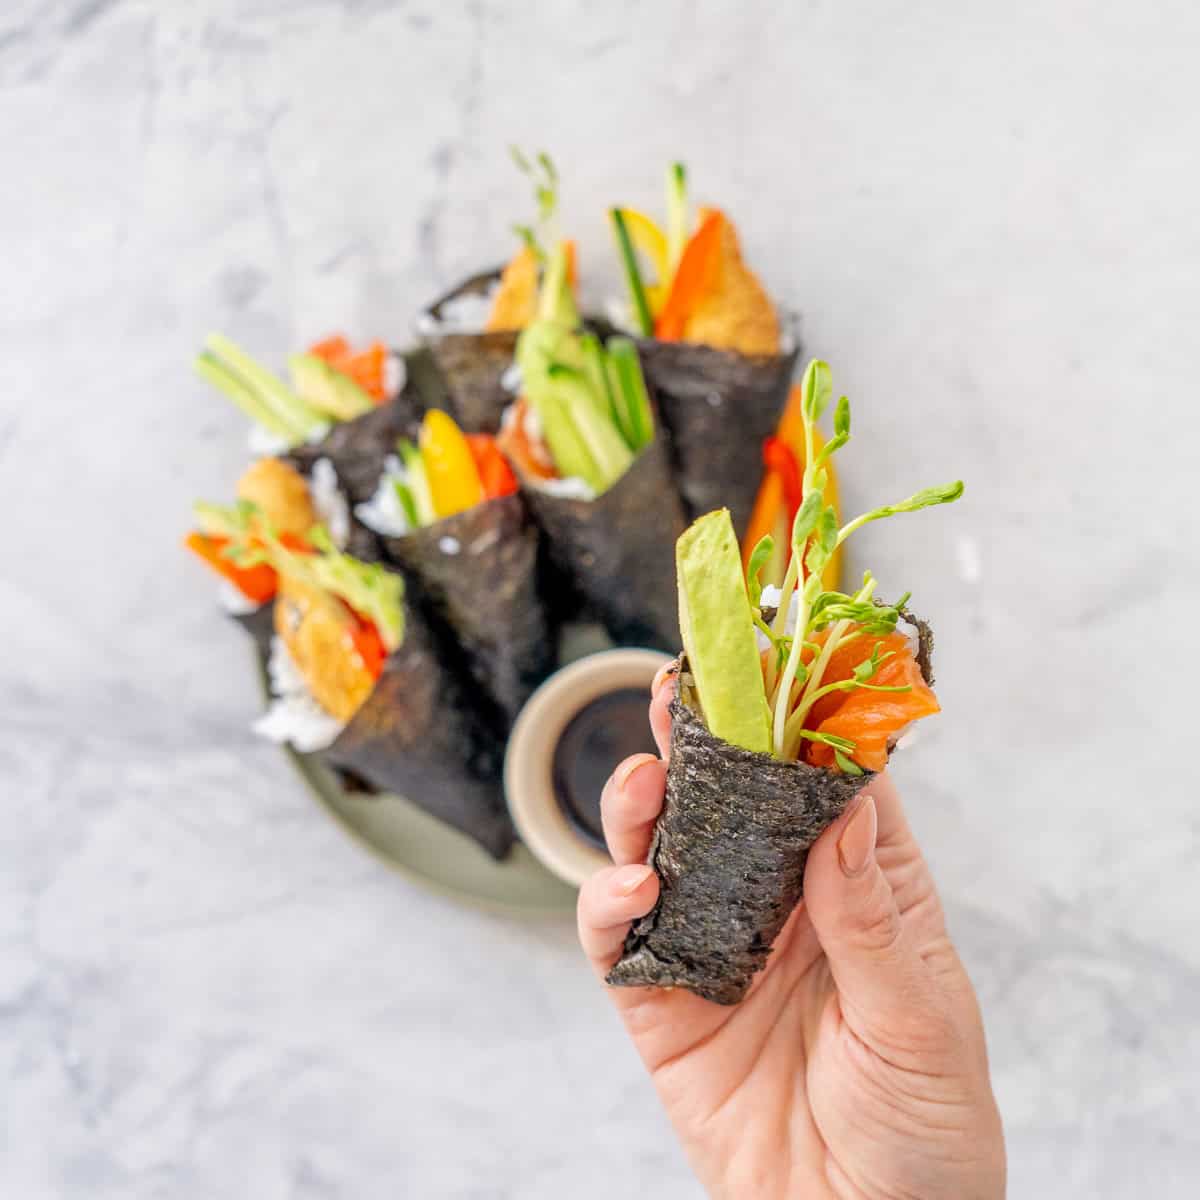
{"x": 477, "y": 574}
{"x": 729, "y": 850}
{"x": 358, "y": 448}
{"x": 471, "y": 364}
{"x": 718, "y": 406}
{"x": 619, "y": 549}
{"x": 421, "y": 736}
{"x": 259, "y": 623}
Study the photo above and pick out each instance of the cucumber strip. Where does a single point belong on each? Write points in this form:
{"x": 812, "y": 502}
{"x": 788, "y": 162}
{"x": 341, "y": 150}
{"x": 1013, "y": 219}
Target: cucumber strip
{"x": 213, "y": 371}
{"x": 571, "y": 454}
{"x": 633, "y": 400}
{"x": 600, "y": 436}
{"x": 286, "y": 404}
{"x": 418, "y": 484}
{"x": 594, "y": 369}
{"x": 633, "y": 275}
{"x": 677, "y": 220}
{"x": 407, "y": 503}
{"x": 557, "y": 303}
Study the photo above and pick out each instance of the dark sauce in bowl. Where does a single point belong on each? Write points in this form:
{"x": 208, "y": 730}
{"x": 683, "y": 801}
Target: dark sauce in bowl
{"x": 601, "y": 734}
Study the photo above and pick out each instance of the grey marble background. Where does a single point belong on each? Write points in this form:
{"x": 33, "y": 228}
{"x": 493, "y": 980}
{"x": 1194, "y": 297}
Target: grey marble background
{"x": 988, "y": 216}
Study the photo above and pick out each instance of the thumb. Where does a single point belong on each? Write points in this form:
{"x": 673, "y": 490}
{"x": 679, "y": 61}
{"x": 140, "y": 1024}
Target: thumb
{"x": 879, "y": 974}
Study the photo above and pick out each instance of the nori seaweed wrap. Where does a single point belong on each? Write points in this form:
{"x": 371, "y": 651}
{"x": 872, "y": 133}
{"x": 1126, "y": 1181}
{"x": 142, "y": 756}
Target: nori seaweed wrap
{"x": 446, "y": 508}
{"x": 714, "y": 349}
{"x": 785, "y": 707}
{"x": 421, "y": 736}
{"x": 357, "y": 448}
{"x": 477, "y": 573}
{"x": 472, "y": 364}
{"x": 259, "y": 624}
{"x": 729, "y": 849}
{"x": 617, "y": 548}
{"x": 719, "y": 407}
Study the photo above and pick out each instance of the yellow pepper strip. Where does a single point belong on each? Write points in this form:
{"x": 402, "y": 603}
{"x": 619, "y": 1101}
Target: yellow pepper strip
{"x": 652, "y": 242}
{"x": 453, "y": 476}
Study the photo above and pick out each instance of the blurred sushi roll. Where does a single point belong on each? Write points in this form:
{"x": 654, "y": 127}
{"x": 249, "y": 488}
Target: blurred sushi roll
{"x": 714, "y": 350}
{"x": 471, "y": 332}
{"x": 593, "y": 470}
{"x": 330, "y": 383}
{"x": 446, "y": 508}
{"x": 355, "y": 673}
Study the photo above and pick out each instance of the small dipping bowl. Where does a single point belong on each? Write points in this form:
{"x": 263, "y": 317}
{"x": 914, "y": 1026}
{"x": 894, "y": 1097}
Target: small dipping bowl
{"x": 570, "y": 735}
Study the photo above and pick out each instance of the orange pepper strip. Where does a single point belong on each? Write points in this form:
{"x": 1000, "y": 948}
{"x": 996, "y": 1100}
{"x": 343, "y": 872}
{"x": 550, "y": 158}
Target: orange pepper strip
{"x": 366, "y": 368}
{"x": 369, "y": 644}
{"x": 531, "y": 459}
{"x": 494, "y": 472}
{"x": 257, "y": 583}
{"x": 695, "y": 275}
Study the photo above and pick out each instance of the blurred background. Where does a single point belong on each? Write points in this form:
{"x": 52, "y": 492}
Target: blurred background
{"x": 987, "y": 218}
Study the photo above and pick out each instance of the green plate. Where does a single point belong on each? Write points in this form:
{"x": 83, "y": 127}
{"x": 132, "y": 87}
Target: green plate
{"x": 428, "y": 852}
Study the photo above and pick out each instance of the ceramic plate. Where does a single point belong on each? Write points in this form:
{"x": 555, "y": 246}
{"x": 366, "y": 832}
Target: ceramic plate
{"x": 429, "y": 852}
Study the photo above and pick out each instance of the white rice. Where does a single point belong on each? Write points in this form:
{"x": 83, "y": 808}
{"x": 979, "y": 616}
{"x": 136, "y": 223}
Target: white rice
{"x": 467, "y": 313}
{"x": 232, "y": 601}
{"x": 293, "y": 716}
{"x": 262, "y": 443}
{"x": 572, "y": 488}
{"x": 395, "y": 375}
{"x": 331, "y": 505}
{"x": 510, "y": 381}
{"x": 383, "y": 513}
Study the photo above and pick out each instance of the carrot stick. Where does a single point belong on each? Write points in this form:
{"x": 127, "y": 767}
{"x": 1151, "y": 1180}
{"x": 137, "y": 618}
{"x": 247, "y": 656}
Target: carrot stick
{"x": 695, "y": 276}
{"x": 257, "y": 583}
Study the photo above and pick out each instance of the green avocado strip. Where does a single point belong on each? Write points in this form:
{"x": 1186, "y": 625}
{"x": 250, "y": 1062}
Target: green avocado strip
{"x": 718, "y": 633}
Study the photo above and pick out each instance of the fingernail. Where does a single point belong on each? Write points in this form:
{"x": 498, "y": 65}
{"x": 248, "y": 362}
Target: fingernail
{"x": 628, "y": 879}
{"x": 661, "y": 676}
{"x": 856, "y": 846}
{"x": 625, "y": 771}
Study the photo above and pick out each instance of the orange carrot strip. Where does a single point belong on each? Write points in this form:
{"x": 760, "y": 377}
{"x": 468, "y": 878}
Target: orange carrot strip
{"x": 695, "y": 275}
{"x": 257, "y": 583}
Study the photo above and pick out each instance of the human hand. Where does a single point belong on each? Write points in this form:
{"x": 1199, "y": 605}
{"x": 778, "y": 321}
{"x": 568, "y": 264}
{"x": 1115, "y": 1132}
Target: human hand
{"x": 856, "y": 1064}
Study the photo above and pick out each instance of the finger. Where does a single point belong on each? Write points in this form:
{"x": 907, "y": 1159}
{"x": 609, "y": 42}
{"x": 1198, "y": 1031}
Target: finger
{"x": 881, "y": 979}
{"x": 608, "y": 903}
{"x": 904, "y": 865}
{"x": 630, "y": 804}
{"x": 662, "y": 692}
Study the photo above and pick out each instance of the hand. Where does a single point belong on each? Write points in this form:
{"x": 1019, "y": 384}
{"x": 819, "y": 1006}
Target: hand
{"x": 856, "y": 1065}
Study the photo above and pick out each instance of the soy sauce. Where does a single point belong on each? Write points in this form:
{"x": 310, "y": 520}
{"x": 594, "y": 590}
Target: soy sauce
{"x": 598, "y": 736}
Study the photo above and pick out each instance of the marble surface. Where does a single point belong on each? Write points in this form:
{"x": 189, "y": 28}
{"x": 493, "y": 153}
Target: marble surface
{"x": 987, "y": 215}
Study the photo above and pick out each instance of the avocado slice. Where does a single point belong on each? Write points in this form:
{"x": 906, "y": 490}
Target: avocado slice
{"x": 327, "y": 389}
{"x": 718, "y": 633}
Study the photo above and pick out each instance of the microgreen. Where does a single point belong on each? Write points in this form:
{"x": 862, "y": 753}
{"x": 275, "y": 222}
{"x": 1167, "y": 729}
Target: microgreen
{"x": 543, "y": 174}
{"x": 826, "y": 621}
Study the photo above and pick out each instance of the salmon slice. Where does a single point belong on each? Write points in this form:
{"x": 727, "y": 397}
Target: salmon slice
{"x": 870, "y": 719}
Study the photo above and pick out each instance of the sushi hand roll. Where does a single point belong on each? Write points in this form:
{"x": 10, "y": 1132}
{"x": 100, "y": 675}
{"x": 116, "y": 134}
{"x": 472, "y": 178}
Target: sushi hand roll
{"x": 715, "y": 352}
{"x": 594, "y": 472}
{"x": 279, "y": 497}
{"x": 357, "y": 675}
{"x": 472, "y": 331}
{"x": 330, "y": 383}
{"x": 447, "y": 510}
{"x": 786, "y": 704}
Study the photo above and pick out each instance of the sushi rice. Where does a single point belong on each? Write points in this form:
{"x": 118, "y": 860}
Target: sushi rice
{"x": 293, "y": 716}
